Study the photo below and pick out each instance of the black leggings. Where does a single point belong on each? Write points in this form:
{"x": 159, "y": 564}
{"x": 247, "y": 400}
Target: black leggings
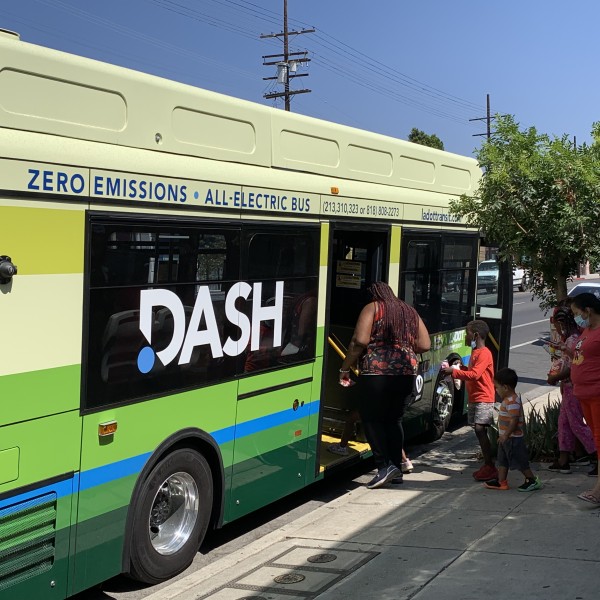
{"x": 382, "y": 401}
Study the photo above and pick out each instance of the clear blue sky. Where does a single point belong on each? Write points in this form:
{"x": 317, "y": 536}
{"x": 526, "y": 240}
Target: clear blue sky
{"x": 384, "y": 65}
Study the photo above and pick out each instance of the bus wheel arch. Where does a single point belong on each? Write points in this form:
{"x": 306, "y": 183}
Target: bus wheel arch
{"x": 185, "y": 471}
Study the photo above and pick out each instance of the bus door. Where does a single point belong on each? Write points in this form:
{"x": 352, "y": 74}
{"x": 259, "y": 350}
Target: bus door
{"x": 358, "y": 258}
{"x": 437, "y": 278}
{"x": 275, "y": 393}
{"x": 495, "y": 301}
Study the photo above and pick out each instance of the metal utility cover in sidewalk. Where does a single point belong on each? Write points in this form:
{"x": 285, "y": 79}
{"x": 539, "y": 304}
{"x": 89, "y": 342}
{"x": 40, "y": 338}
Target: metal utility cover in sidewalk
{"x": 301, "y": 572}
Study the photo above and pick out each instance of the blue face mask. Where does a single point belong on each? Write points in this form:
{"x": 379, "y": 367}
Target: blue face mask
{"x": 581, "y": 322}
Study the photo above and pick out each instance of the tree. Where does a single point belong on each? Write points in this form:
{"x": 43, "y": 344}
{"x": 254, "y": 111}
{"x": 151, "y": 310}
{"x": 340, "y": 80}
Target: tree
{"x": 420, "y": 137}
{"x": 538, "y": 201}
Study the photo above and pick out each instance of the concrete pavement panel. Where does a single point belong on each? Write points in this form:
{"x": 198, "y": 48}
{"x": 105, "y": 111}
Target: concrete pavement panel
{"x": 497, "y": 576}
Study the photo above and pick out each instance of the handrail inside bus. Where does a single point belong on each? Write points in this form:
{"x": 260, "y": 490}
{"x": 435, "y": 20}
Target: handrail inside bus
{"x": 493, "y": 340}
{"x": 339, "y": 348}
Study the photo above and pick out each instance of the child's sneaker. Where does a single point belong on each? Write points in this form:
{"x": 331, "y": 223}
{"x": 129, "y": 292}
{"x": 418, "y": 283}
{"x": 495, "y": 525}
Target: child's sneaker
{"x": 530, "y": 485}
{"x": 486, "y": 473}
{"x": 495, "y": 484}
{"x": 582, "y": 461}
{"x": 337, "y": 449}
{"x": 407, "y": 466}
{"x": 593, "y": 471}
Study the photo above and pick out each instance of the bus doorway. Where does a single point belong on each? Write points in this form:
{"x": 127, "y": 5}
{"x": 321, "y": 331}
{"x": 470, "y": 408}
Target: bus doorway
{"x": 358, "y": 258}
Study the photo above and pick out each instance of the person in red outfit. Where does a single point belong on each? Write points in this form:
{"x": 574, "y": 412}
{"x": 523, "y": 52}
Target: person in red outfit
{"x": 585, "y": 371}
{"x": 479, "y": 382}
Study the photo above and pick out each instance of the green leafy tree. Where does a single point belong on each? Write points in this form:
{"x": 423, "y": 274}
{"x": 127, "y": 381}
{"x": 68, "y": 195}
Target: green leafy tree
{"x": 420, "y": 137}
{"x": 538, "y": 200}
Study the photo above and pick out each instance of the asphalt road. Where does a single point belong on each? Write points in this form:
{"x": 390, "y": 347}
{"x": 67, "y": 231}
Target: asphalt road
{"x": 527, "y": 357}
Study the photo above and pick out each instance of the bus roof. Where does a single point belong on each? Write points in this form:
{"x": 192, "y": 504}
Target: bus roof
{"x": 51, "y": 92}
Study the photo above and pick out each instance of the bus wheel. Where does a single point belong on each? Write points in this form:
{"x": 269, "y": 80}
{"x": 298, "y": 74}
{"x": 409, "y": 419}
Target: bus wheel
{"x": 441, "y": 409}
{"x": 171, "y": 516}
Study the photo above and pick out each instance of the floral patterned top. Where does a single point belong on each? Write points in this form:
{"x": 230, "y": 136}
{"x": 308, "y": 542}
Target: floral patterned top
{"x": 388, "y": 357}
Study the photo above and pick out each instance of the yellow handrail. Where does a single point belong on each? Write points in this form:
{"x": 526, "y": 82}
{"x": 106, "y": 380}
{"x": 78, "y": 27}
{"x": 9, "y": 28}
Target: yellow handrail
{"x": 341, "y": 353}
{"x": 493, "y": 340}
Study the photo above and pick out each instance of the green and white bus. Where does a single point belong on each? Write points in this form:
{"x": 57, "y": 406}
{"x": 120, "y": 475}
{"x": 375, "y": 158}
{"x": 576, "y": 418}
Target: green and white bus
{"x": 173, "y": 266}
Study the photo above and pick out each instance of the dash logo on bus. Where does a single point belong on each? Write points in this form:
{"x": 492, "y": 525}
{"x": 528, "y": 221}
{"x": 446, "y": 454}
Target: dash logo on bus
{"x": 185, "y": 339}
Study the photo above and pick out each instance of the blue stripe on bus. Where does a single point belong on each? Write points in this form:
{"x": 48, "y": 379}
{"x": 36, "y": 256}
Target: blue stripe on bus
{"x": 60, "y": 489}
{"x": 132, "y": 466}
{"x": 112, "y": 471}
{"x": 273, "y": 420}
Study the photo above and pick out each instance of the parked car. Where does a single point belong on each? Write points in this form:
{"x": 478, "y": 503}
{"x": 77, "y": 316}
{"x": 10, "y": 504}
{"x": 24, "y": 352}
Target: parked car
{"x": 587, "y": 287}
{"x": 488, "y": 273}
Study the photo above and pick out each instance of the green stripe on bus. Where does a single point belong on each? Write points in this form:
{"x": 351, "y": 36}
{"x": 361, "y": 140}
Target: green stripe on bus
{"x": 280, "y": 471}
{"x": 324, "y": 255}
{"x": 99, "y": 548}
{"x": 269, "y": 440}
{"x": 143, "y": 426}
{"x": 40, "y": 392}
{"x": 395, "y": 239}
{"x": 59, "y": 232}
{"x": 262, "y": 381}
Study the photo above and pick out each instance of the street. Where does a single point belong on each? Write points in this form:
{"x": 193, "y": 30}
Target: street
{"x": 527, "y": 357}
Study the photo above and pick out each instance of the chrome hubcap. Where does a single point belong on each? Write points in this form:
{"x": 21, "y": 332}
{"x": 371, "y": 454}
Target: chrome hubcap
{"x": 174, "y": 513}
{"x": 444, "y": 399}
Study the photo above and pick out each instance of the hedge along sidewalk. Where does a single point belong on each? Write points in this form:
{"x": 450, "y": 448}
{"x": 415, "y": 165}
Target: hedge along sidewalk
{"x": 541, "y": 425}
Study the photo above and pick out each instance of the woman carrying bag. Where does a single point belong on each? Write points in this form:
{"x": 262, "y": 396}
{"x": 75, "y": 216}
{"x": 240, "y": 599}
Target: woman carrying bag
{"x": 387, "y": 338}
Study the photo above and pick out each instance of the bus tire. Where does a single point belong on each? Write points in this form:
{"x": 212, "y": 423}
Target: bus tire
{"x": 164, "y": 540}
{"x": 441, "y": 408}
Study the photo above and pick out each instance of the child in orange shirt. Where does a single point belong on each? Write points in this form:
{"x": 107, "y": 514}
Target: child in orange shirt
{"x": 479, "y": 382}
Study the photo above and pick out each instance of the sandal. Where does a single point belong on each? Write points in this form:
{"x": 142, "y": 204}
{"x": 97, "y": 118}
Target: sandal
{"x": 589, "y": 497}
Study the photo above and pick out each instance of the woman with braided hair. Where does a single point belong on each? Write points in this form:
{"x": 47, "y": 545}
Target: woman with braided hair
{"x": 388, "y": 335}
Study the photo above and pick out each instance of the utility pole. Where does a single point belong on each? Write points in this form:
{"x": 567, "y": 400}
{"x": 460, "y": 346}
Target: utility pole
{"x": 487, "y": 118}
{"x": 286, "y": 68}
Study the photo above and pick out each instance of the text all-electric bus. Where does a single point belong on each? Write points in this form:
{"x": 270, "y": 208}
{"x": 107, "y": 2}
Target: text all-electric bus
{"x": 178, "y": 270}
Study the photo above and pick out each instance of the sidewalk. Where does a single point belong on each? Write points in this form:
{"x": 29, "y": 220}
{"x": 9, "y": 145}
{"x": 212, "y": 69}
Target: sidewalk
{"x": 440, "y": 535}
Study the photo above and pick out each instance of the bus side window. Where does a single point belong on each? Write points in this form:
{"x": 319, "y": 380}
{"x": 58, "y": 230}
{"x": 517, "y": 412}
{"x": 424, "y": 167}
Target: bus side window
{"x": 419, "y": 283}
{"x": 274, "y": 256}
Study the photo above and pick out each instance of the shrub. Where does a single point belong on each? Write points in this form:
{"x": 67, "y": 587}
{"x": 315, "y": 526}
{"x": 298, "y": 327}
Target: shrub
{"x": 541, "y": 431}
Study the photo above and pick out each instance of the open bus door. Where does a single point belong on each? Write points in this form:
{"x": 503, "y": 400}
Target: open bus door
{"x": 358, "y": 258}
{"x": 494, "y": 302}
